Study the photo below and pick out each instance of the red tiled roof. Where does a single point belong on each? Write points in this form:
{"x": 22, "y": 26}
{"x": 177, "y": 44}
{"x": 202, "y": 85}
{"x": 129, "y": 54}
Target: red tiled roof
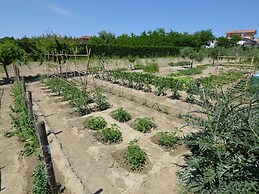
{"x": 240, "y": 31}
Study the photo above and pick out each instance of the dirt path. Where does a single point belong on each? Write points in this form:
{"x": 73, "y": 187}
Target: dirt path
{"x": 15, "y": 169}
{"x": 93, "y": 162}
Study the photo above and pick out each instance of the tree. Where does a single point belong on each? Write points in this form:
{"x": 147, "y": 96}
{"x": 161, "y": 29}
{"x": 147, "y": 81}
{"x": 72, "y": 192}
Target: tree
{"x": 9, "y": 53}
{"x": 193, "y": 55}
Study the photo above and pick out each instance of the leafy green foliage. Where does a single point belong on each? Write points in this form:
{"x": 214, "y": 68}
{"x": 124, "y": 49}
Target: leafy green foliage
{"x": 22, "y": 122}
{"x": 144, "y": 124}
{"x": 190, "y": 71}
{"x": 225, "y": 151}
{"x": 95, "y": 123}
{"x": 9, "y": 53}
{"x": 167, "y": 139}
{"x": 180, "y": 63}
{"x": 134, "y": 156}
{"x": 121, "y": 115}
{"x": 110, "y": 134}
{"x": 101, "y": 100}
{"x": 40, "y": 181}
{"x": 77, "y": 98}
{"x": 151, "y": 68}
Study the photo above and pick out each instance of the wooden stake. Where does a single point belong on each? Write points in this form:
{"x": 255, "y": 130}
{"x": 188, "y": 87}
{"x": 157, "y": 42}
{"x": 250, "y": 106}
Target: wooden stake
{"x": 47, "y": 156}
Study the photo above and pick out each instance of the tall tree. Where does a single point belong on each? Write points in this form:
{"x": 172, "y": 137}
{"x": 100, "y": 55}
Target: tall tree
{"x": 9, "y": 53}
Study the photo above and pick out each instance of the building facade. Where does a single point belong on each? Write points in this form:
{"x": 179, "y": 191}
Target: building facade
{"x": 242, "y": 33}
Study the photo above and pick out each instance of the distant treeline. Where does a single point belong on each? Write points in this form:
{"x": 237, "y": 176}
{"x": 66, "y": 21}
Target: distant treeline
{"x": 157, "y": 43}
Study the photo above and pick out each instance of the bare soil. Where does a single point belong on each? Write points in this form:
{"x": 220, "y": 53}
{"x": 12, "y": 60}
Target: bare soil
{"x": 83, "y": 164}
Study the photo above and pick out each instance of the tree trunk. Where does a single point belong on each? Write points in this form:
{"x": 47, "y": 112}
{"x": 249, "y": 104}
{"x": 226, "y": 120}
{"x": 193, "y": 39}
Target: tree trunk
{"x": 213, "y": 62}
{"x": 6, "y": 72}
{"x": 191, "y": 64}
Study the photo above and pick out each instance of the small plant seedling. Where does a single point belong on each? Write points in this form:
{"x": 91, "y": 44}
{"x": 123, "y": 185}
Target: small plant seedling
{"x": 167, "y": 139}
{"x": 134, "y": 156}
{"x": 121, "y": 115}
{"x": 95, "y": 123}
{"x": 144, "y": 124}
{"x": 110, "y": 134}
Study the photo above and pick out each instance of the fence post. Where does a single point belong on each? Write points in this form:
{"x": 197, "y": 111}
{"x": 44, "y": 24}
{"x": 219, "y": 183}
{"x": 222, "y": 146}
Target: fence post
{"x": 47, "y": 156}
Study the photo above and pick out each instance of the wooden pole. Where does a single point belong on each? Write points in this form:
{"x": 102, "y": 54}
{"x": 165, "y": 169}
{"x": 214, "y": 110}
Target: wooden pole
{"x": 30, "y": 105}
{"x": 47, "y": 156}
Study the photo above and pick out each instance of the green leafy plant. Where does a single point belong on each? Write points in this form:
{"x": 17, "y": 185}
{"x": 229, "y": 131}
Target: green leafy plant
{"x": 110, "y": 134}
{"x": 134, "y": 156}
{"x": 101, "y": 100}
{"x": 167, "y": 139}
{"x": 121, "y": 115}
{"x": 40, "y": 183}
{"x": 151, "y": 68}
{"x": 225, "y": 153}
{"x": 22, "y": 122}
{"x": 144, "y": 124}
{"x": 180, "y": 63}
{"x": 95, "y": 123}
{"x": 9, "y": 53}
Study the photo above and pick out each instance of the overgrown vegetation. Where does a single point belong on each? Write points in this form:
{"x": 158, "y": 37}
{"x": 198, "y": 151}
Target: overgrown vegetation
{"x": 225, "y": 151}
{"x": 95, "y": 123}
{"x": 110, "y": 134}
{"x": 134, "y": 156}
{"x": 190, "y": 71}
{"x": 121, "y": 115}
{"x": 40, "y": 183}
{"x": 144, "y": 124}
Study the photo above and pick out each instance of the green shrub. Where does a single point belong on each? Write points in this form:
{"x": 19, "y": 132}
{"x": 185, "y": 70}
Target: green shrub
{"x": 121, "y": 115}
{"x": 110, "y": 134}
{"x": 180, "y": 63}
{"x": 144, "y": 124}
{"x": 151, "y": 68}
{"x": 138, "y": 66}
{"x": 40, "y": 181}
{"x": 167, "y": 139}
{"x": 95, "y": 123}
{"x": 134, "y": 156}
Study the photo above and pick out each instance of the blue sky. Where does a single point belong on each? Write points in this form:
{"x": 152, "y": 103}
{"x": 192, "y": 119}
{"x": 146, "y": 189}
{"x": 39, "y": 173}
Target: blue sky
{"x": 88, "y": 17}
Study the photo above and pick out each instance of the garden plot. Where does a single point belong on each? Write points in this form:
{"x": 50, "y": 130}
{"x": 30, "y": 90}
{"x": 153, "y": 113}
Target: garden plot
{"x": 97, "y": 164}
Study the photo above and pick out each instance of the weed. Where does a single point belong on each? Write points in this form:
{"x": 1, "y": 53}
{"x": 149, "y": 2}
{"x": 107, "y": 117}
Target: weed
{"x": 151, "y": 68}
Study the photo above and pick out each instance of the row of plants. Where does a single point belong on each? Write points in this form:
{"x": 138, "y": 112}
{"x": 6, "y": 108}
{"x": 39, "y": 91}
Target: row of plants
{"x": 189, "y": 71}
{"x": 25, "y": 131}
{"x": 78, "y": 99}
{"x": 145, "y": 82}
{"x": 22, "y": 122}
{"x": 162, "y": 85}
{"x": 179, "y": 63}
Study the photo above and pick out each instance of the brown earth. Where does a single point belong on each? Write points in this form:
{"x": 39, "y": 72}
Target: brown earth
{"x": 79, "y": 159}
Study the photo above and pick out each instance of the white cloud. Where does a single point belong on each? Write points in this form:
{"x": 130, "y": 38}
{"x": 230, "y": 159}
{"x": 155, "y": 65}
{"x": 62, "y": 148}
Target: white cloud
{"x": 59, "y": 10}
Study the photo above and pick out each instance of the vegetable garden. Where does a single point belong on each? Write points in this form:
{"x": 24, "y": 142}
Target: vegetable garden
{"x": 122, "y": 146}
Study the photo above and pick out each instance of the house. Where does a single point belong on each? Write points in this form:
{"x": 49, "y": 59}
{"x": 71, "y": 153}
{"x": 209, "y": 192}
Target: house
{"x": 85, "y": 39}
{"x": 242, "y": 33}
